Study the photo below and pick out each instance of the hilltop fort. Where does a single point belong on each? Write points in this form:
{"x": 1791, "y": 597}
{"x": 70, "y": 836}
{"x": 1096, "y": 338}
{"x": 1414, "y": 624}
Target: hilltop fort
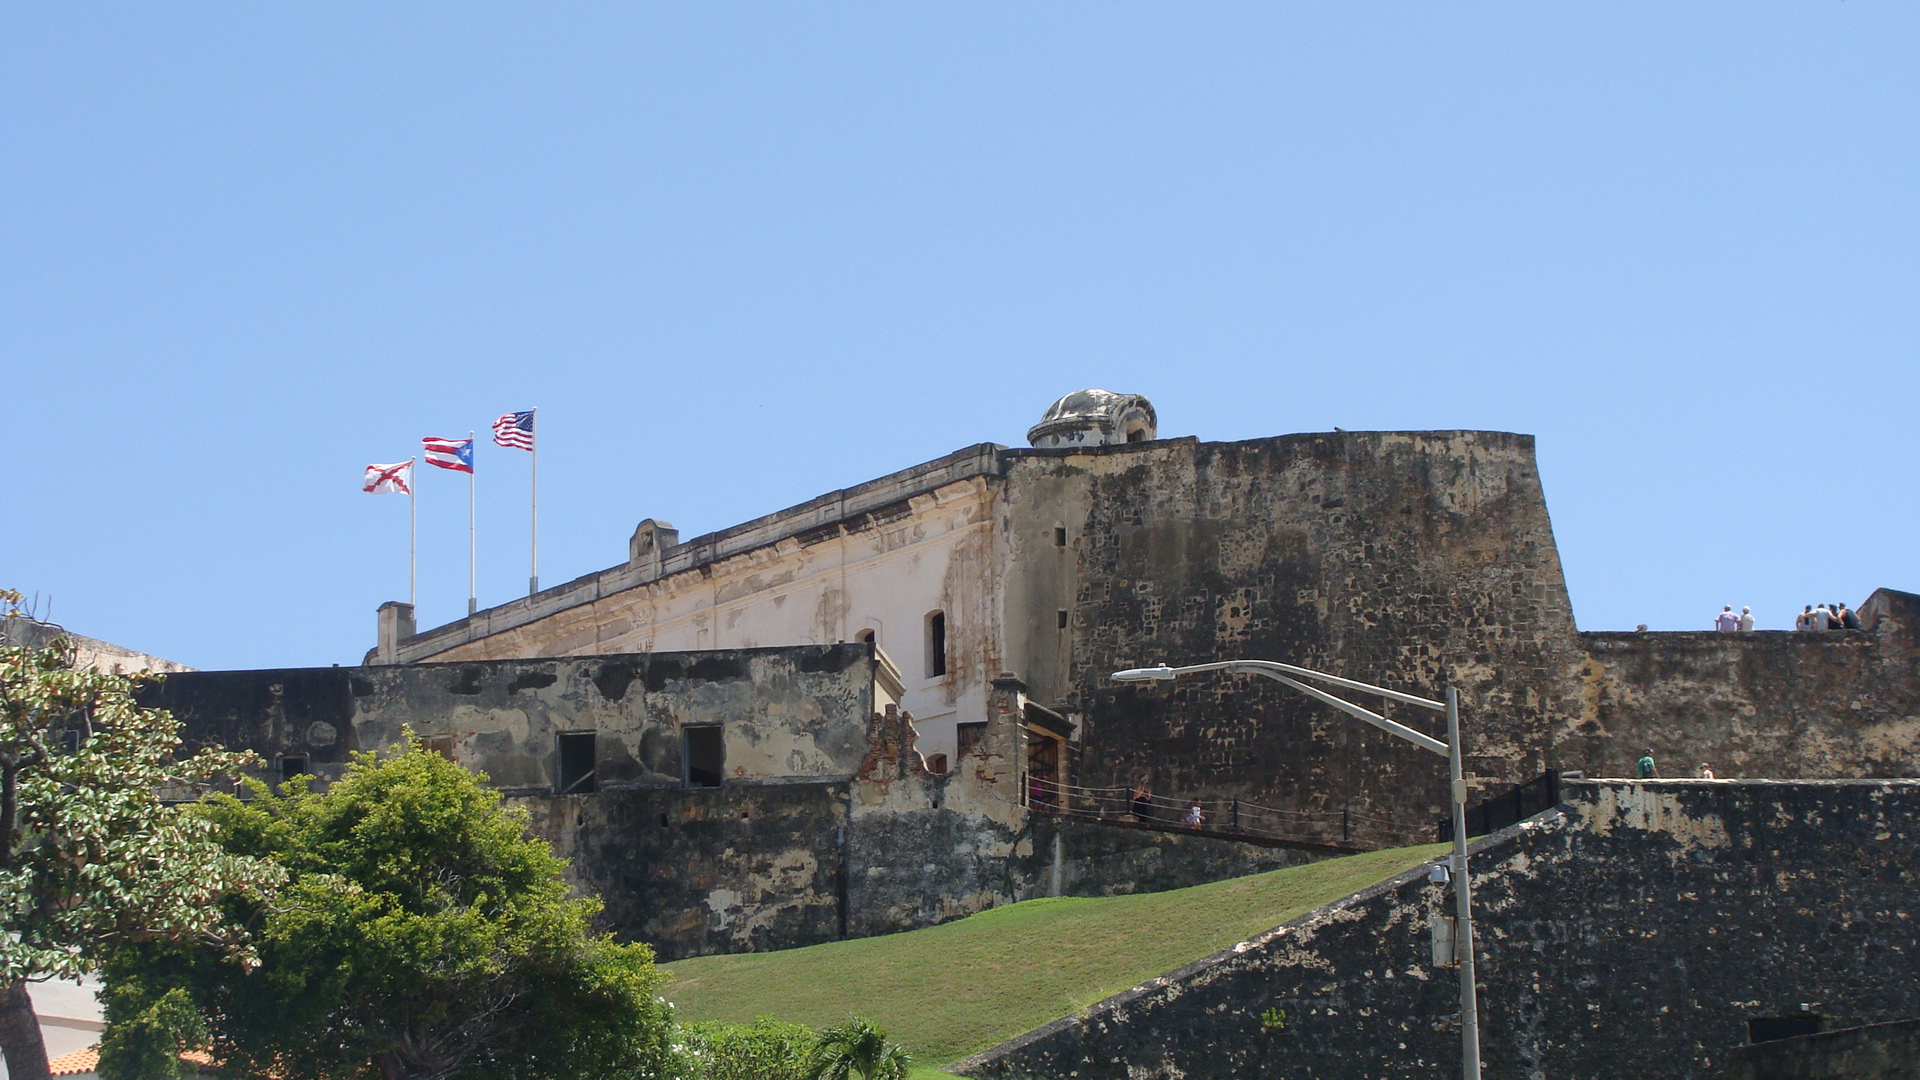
{"x": 889, "y": 706}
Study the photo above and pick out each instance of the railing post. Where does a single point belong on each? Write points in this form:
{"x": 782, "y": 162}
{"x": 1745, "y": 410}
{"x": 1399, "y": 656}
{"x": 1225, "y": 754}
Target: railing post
{"x": 1236, "y": 811}
{"x": 1346, "y": 824}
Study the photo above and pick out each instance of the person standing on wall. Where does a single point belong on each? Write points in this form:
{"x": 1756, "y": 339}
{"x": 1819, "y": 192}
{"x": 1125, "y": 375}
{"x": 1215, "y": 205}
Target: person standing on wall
{"x": 1746, "y": 620}
{"x": 1726, "y": 622}
{"x": 1644, "y": 767}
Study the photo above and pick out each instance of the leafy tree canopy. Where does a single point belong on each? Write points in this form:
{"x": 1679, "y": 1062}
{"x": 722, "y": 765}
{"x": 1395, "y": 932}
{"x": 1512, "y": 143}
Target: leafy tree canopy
{"x": 422, "y": 936}
{"x": 91, "y": 858}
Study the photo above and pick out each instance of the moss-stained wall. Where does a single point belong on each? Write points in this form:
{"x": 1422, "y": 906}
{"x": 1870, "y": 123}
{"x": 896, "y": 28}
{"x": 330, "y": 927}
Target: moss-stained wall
{"x": 790, "y": 712}
{"x": 1413, "y": 560}
{"x": 828, "y": 824}
{"x": 1837, "y": 703}
{"x": 1631, "y": 933}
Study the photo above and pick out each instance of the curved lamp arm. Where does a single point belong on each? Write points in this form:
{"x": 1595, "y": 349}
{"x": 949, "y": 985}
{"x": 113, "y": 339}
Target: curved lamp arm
{"x": 1280, "y": 672}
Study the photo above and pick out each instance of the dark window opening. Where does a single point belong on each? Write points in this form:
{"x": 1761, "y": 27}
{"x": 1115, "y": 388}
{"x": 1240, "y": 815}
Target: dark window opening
{"x": 706, "y": 756}
{"x": 663, "y": 821}
{"x": 969, "y": 735}
{"x": 1059, "y": 536}
{"x": 1043, "y": 770}
{"x": 292, "y": 765}
{"x": 1063, "y": 618}
{"x": 936, "y": 644}
{"x": 576, "y": 774}
{"x": 70, "y": 740}
{"x": 1137, "y": 435}
{"x": 866, "y": 636}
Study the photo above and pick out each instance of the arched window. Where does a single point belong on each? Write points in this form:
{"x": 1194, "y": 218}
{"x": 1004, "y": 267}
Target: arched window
{"x": 936, "y": 644}
{"x": 866, "y": 636}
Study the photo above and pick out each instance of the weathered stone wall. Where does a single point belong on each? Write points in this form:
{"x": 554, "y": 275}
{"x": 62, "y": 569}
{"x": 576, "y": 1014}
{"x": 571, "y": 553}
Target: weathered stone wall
{"x": 692, "y": 871}
{"x": 1412, "y": 560}
{"x": 1838, "y": 703}
{"x": 828, "y": 825}
{"x": 1875, "y": 1052}
{"x": 793, "y": 712}
{"x": 1632, "y": 932}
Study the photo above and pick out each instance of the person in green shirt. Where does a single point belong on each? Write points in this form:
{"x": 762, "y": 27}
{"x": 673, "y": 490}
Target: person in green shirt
{"x": 1645, "y": 765}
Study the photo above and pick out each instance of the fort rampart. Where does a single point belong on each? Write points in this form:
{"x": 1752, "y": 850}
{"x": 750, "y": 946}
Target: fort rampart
{"x": 821, "y": 820}
{"x": 1634, "y": 932}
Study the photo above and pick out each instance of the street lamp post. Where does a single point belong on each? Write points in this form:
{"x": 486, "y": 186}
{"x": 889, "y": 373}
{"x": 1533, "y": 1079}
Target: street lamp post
{"x": 1463, "y": 901}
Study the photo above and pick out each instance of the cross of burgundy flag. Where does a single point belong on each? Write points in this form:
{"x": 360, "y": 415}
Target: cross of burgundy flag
{"x": 455, "y": 454}
{"x": 514, "y": 431}
{"x": 387, "y": 479}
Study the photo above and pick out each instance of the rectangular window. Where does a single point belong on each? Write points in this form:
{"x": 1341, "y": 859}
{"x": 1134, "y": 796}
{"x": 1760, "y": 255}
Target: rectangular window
{"x": 576, "y": 774}
{"x": 936, "y": 644}
{"x": 291, "y": 765}
{"x": 438, "y": 744}
{"x": 1059, "y": 536}
{"x": 706, "y": 751}
{"x": 1063, "y": 618}
{"x": 970, "y": 736}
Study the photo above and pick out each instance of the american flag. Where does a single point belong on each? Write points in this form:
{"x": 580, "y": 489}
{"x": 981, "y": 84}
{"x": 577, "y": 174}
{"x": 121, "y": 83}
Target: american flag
{"x": 514, "y": 430}
{"x": 455, "y": 454}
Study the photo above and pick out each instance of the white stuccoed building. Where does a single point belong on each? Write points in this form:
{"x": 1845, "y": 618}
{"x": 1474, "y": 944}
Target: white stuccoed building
{"x": 954, "y": 572}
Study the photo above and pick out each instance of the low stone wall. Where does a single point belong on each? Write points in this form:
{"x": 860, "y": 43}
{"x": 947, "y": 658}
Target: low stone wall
{"x": 1631, "y": 932}
{"x": 1774, "y": 703}
{"x": 1875, "y": 1052}
{"x": 827, "y": 825}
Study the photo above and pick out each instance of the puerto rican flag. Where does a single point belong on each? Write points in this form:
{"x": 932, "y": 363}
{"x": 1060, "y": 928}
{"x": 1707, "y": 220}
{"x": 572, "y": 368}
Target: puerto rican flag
{"x": 455, "y": 454}
{"x": 388, "y": 479}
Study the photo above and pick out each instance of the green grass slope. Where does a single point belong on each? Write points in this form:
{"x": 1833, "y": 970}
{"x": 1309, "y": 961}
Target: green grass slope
{"x": 955, "y": 989}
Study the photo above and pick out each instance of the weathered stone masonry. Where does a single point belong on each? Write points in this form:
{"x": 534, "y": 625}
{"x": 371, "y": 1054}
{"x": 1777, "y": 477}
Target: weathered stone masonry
{"x": 826, "y": 825}
{"x": 1418, "y": 560}
{"x": 1631, "y": 933}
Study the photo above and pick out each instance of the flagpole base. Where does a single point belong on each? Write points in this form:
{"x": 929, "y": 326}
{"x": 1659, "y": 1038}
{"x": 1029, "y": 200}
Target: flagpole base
{"x": 473, "y": 605}
{"x": 533, "y": 585}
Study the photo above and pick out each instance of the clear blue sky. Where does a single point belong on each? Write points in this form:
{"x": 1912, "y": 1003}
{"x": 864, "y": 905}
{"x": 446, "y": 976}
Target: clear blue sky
{"x": 740, "y": 255}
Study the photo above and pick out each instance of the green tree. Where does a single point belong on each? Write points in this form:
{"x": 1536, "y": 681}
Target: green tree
{"x": 90, "y": 857}
{"x": 858, "y": 1047}
{"x": 422, "y": 936}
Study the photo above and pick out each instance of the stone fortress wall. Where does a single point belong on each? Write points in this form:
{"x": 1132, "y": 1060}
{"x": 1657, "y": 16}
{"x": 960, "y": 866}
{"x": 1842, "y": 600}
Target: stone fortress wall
{"x": 1633, "y": 932}
{"x": 1412, "y": 559}
{"x": 825, "y": 823}
{"x": 851, "y": 805}
{"x": 1770, "y": 703}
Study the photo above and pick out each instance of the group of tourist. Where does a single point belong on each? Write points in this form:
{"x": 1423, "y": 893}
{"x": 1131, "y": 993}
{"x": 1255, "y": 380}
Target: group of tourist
{"x": 1824, "y": 617}
{"x": 1827, "y": 617}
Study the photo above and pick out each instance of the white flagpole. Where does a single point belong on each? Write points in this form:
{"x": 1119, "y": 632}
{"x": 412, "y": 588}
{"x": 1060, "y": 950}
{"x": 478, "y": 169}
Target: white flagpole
{"x": 413, "y": 541}
{"x": 473, "y": 594}
{"x": 533, "y": 582}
